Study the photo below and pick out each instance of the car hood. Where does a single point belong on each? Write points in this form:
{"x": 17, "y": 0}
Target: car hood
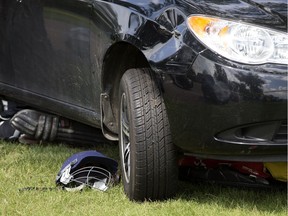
{"x": 268, "y": 13}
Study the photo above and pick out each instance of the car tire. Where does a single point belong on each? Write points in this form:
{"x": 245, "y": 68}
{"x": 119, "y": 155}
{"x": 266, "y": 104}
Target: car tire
{"x": 147, "y": 154}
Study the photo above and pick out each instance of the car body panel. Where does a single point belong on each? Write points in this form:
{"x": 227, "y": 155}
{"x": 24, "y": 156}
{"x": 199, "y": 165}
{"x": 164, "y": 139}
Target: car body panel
{"x": 222, "y": 97}
{"x": 54, "y": 53}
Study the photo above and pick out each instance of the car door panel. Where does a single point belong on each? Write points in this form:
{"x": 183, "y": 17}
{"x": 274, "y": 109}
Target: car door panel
{"x": 49, "y": 46}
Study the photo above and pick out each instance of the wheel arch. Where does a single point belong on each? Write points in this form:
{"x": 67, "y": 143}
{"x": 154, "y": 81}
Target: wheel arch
{"x": 120, "y": 57}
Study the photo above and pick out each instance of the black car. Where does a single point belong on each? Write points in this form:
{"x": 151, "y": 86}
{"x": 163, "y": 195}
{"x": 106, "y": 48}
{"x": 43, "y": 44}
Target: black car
{"x": 206, "y": 78}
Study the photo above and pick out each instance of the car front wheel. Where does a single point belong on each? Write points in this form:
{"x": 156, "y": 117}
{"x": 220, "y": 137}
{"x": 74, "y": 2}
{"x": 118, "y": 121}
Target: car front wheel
{"x": 148, "y": 156}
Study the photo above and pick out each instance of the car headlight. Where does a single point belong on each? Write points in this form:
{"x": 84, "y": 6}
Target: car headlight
{"x": 240, "y": 42}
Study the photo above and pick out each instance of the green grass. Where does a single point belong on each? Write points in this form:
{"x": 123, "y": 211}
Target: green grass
{"x": 37, "y": 166}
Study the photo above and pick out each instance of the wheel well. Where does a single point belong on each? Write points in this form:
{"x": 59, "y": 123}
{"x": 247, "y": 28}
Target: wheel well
{"x": 118, "y": 59}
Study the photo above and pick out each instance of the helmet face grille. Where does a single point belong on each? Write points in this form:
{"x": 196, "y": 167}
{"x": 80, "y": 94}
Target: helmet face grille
{"x": 88, "y": 168}
{"x": 91, "y": 176}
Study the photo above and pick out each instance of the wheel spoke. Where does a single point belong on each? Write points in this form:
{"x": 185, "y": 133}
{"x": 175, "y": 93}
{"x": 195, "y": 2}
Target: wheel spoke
{"x": 125, "y": 128}
{"x": 127, "y": 160}
{"x": 127, "y": 152}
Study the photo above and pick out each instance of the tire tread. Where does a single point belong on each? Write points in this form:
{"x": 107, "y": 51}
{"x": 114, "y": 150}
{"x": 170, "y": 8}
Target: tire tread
{"x": 156, "y": 167}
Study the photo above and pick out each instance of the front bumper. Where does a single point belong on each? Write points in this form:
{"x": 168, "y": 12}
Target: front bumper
{"x": 223, "y": 110}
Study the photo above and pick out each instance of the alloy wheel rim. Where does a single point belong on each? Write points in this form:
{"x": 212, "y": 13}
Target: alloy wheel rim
{"x": 125, "y": 138}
